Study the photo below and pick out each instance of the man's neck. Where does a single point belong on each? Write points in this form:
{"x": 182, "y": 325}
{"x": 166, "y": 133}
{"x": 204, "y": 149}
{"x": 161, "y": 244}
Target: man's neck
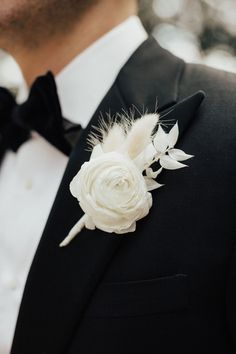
{"x": 58, "y": 52}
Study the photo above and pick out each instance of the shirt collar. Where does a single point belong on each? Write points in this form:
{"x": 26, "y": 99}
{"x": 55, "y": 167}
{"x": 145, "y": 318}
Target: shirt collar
{"x": 85, "y": 81}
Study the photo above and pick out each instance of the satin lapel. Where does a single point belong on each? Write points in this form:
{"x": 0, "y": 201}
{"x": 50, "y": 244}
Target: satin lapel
{"x": 62, "y": 280}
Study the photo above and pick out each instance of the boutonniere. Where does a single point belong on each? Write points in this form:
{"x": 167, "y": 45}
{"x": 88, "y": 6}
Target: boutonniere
{"x": 113, "y": 187}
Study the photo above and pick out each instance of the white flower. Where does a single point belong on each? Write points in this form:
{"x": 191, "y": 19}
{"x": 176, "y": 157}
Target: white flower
{"x": 164, "y": 144}
{"x": 113, "y": 187}
{"x": 112, "y": 192}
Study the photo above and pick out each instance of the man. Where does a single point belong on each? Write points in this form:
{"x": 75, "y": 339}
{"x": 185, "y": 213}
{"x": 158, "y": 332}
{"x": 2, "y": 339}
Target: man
{"x": 169, "y": 287}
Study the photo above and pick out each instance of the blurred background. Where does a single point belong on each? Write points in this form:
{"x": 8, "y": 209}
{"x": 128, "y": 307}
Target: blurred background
{"x": 201, "y": 31}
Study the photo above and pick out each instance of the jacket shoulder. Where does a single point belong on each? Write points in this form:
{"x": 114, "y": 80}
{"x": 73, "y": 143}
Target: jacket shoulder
{"x": 218, "y": 85}
{"x": 214, "y": 129}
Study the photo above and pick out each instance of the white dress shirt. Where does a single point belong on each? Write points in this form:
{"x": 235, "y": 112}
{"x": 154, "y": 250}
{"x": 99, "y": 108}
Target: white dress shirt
{"x": 29, "y": 179}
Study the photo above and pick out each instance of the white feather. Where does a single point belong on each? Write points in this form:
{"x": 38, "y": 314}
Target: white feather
{"x": 114, "y": 139}
{"x": 139, "y": 135}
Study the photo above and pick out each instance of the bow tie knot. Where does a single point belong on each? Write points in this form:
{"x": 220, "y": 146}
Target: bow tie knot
{"x": 41, "y": 113}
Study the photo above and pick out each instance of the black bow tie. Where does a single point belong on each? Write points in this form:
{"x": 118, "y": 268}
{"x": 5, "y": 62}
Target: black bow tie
{"x": 41, "y": 113}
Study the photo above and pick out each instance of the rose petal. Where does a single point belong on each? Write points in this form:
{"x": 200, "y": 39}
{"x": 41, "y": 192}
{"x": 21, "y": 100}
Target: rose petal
{"x": 73, "y": 187}
{"x": 89, "y": 224}
{"x": 132, "y": 228}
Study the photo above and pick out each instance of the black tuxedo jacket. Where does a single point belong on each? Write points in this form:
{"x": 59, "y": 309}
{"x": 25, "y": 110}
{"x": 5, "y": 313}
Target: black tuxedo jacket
{"x": 170, "y": 287}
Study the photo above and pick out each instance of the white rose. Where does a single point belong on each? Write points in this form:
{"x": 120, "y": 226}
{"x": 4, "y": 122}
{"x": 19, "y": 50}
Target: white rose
{"x": 112, "y": 193}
